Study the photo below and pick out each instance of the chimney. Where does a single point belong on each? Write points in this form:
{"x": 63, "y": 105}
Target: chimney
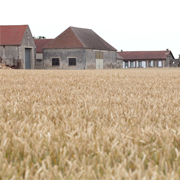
{"x": 121, "y": 50}
{"x": 167, "y": 50}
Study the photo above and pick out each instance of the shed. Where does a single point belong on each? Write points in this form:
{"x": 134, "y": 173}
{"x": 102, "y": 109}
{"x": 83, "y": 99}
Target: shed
{"x": 146, "y": 59}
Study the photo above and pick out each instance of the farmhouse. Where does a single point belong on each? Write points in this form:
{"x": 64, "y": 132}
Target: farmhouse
{"x": 78, "y": 48}
{"x": 17, "y": 47}
{"x": 146, "y": 59}
{"x": 40, "y": 43}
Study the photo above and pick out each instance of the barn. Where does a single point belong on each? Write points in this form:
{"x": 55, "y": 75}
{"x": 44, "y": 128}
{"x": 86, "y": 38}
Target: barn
{"x": 17, "y": 47}
{"x": 146, "y": 59}
{"x": 79, "y": 48}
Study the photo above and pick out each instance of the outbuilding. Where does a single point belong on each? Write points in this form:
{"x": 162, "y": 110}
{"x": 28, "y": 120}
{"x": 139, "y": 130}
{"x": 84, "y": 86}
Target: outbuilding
{"x": 146, "y": 59}
{"x": 17, "y": 47}
{"x": 79, "y": 48}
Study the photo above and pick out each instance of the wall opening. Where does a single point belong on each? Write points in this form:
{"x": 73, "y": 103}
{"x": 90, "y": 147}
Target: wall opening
{"x": 27, "y": 58}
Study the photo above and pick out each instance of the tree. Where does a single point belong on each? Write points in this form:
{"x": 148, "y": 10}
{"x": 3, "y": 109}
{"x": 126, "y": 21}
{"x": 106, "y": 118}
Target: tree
{"x": 39, "y": 37}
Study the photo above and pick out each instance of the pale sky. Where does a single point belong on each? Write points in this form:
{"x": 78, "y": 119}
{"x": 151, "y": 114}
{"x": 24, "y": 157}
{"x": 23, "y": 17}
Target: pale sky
{"x": 131, "y": 25}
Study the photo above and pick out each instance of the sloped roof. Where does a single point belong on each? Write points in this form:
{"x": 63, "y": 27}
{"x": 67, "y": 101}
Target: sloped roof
{"x": 12, "y": 35}
{"x": 79, "y": 38}
{"x": 144, "y": 55}
{"x": 119, "y": 57}
{"x": 40, "y": 43}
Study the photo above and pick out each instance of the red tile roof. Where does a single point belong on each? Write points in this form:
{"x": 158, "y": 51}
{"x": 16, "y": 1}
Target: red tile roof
{"x": 40, "y": 43}
{"x": 12, "y": 35}
{"x": 144, "y": 55}
{"x": 79, "y": 38}
{"x": 119, "y": 57}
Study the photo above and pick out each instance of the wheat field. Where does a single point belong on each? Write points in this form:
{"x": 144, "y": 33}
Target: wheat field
{"x": 90, "y": 124}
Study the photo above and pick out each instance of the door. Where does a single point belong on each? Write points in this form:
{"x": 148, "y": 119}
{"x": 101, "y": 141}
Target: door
{"x": 144, "y": 64}
{"x": 27, "y": 58}
{"x": 99, "y": 60}
{"x": 159, "y": 63}
{"x": 99, "y": 63}
{"x": 126, "y": 64}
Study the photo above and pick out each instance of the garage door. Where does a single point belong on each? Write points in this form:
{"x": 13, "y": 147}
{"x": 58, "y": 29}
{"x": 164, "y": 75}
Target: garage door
{"x": 27, "y": 58}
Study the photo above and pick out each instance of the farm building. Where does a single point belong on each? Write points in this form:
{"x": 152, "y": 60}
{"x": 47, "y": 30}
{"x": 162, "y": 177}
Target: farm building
{"x": 40, "y": 43}
{"x": 146, "y": 59}
{"x": 17, "y": 47}
{"x": 119, "y": 61}
{"x": 78, "y": 48}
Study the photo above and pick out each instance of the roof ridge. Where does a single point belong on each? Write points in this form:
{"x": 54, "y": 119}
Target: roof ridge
{"x": 77, "y": 35}
{"x": 79, "y": 28}
{"x": 15, "y": 25}
{"x": 146, "y": 51}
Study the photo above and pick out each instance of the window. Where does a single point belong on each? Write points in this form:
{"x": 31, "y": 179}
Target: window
{"x": 132, "y": 64}
{"x": 72, "y": 61}
{"x": 140, "y": 63}
{"x": 150, "y": 63}
{"x": 126, "y": 64}
{"x": 55, "y": 61}
{"x": 99, "y": 55}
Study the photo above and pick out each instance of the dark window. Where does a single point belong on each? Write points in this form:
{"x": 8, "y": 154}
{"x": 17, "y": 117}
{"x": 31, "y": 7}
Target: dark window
{"x": 150, "y": 63}
{"x": 55, "y": 61}
{"x": 132, "y": 64}
{"x": 140, "y": 63}
{"x": 126, "y": 64}
{"x": 72, "y": 61}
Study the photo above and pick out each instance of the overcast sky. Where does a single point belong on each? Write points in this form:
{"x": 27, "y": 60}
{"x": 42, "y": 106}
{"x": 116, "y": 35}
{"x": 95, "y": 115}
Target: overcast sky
{"x": 130, "y": 25}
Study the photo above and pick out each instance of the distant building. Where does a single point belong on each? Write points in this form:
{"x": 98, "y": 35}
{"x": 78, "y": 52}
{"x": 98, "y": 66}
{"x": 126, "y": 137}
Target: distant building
{"x": 78, "y": 48}
{"x": 146, "y": 59}
{"x": 17, "y": 47}
{"x": 40, "y": 43}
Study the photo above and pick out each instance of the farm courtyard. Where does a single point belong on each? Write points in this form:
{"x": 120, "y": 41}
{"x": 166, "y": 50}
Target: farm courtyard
{"x": 90, "y": 124}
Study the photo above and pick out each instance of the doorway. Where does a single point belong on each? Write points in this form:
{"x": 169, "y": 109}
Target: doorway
{"x": 27, "y": 58}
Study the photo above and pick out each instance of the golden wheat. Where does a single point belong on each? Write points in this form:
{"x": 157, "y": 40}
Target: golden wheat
{"x": 106, "y": 124}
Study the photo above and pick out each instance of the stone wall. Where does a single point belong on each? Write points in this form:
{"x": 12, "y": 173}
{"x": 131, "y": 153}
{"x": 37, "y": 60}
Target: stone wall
{"x": 1, "y": 51}
{"x": 39, "y": 55}
{"x": 168, "y": 60}
{"x": 39, "y": 64}
{"x": 39, "y": 61}
{"x": 85, "y": 58}
{"x": 28, "y": 42}
{"x": 119, "y": 63}
{"x": 63, "y": 55}
{"x": 175, "y": 63}
{"x": 9, "y": 54}
{"x": 109, "y": 59}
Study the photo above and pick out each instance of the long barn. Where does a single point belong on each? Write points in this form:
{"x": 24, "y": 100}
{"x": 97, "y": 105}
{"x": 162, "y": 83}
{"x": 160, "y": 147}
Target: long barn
{"x": 146, "y": 59}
